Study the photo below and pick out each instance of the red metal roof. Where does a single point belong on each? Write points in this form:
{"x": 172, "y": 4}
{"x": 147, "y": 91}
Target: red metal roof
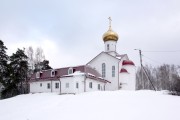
{"x": 63, "y": 72}
{"x": 127, "y": 62}
{"x": 123, "y": 70}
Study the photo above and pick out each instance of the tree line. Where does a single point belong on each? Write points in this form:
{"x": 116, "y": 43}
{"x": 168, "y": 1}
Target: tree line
{"x": 163, "y": 77}
{"x": 16, "y": 70}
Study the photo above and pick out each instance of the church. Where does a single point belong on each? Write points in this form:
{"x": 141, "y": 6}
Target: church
{"x": 108, "y": 71}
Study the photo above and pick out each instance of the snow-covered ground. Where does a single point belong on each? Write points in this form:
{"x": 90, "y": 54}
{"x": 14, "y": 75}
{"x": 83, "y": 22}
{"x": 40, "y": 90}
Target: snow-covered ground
{"x": 109, "y": 105}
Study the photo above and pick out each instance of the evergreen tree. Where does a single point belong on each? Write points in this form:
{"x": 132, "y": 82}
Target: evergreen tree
{"x": 19, "y": 65}
{"x": 45, "y": 65}
{"x": 3, "y": 64}
{"x": 17, "y": 74}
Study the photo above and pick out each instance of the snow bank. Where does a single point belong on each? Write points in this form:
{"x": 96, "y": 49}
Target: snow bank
{"x": 105, "y": 105}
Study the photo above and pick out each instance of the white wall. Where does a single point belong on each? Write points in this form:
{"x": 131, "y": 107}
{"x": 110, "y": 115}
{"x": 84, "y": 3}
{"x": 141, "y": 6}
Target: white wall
{"x": 72, "y": 84}
{"x": 112, "y": 46}
{"x": 35, "y": 86}
{"x": 94, "y": 85}
{"x": 124, "y": 81}
{"x": 109, "y": 61}
{"x": 128, "y": 78}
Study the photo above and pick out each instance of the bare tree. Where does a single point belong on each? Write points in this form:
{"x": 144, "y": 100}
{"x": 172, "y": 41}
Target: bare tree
{"x": 164, "y": 77}
{"x": 39, "y": 57}
{"x": 30, "y": 55}
{"x": 35, "y": 58}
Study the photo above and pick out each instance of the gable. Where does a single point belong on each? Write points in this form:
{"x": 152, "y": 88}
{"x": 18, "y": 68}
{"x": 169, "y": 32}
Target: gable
{"x": 105, "y": 55}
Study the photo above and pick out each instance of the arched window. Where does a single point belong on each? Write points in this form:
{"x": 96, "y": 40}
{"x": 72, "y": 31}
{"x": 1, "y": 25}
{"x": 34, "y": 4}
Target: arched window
{"x": 103, "y": 70}
{"x": 38, "y": 75}
{"x": 113, "y": 71}
{"x": 108, "y": 47}
{"x": 70, "y": 71}
{"x": 52, "y": 73}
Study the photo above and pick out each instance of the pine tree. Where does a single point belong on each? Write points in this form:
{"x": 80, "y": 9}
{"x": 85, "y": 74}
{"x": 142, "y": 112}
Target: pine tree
{"x": 3, "y": 64}
{"x": 16, "y": 75}
{"x": 45, "y": 65}
{"x": 19, "y": 64}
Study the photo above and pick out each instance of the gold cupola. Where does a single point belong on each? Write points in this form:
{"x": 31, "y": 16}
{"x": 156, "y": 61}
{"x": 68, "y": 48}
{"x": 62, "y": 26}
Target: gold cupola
{"x": 110, "y": 35}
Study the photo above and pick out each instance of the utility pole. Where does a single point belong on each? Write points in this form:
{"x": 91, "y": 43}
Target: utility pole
{"x": 140, "y": 56}
{"x": 142, "y": 69}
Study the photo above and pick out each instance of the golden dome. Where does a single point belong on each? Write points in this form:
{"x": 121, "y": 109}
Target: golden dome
{"x": 110, "y": 35}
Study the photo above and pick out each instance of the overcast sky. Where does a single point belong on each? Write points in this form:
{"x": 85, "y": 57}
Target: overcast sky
{"x": 70, "y": 31}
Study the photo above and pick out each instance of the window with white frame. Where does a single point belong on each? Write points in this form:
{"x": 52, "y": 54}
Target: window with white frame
{"x": 113, "y": 71}
{"x": 99, "y": 86}
{"x": 108, "y": 47}
{"x": 38, "y": 75}
{"x": 67, "y": 85}
{"x": 90, "y": 85}
{"x": 103, "y": 70}
{"x": 56, "y": 85}
{"x": 52, "y": 73}
{"x": 77, "y": 85}
{"x": 48, "y": 86}
{"x": 70, "y": 70}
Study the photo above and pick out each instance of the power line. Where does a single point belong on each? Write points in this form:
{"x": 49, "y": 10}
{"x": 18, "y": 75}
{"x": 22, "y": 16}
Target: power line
{"x": 163, "y": 51}
{"x": 148, "y": 62}
{"x": 152, "y": 59}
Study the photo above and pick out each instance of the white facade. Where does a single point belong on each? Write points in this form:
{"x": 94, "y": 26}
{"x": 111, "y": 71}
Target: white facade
{"x": 96, "y": 86}
{"x": 117, "y": 78}
{"x": 42, "y": 86}
{"x": 67, "y": 85}
{"x": 110, "y": 46}
{"x": 109, "y": 62}
{"x": 128, "y": 80}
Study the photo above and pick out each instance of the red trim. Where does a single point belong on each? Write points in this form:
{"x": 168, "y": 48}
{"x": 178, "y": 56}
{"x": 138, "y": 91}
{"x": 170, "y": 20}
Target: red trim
{"x": 127, "y": 62}
{"x": 123, "y": 70}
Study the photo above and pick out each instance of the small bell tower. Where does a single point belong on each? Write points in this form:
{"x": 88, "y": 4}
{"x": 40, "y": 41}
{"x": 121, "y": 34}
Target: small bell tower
{"x": 110, "y": 39}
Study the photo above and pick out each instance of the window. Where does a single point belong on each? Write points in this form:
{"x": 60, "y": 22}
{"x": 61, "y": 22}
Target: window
{"x": 107, "y": 46}
{"x": 53, "y": 73}
{"x": 103, "y": 70}
{"x": 99, "y": 86}
{"x": 56, "y": 72}
{"x": 48, "y": 86}
{"x": 56, "y": 85}
{"x": 67, "y": 85}
{"x": 37, "y": 75}
{"x": 77, "y": 85}
{"x": 113, "y": 71}
{"x": 90, "y": 85}
{"x": 70, "y": 71}
{"x": 40, "y": 74}
{"x": 40, "y": 84}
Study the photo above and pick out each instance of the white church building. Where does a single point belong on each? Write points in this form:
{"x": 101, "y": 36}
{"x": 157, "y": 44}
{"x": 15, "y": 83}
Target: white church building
{"x": 107, "y": 71}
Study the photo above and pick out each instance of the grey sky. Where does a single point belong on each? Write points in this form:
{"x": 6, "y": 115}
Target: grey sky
{"x": 70, "y": 31}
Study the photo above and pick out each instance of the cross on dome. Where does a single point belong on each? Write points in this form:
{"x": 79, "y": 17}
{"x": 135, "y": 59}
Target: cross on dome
{"x": 110, "y": 35}
{"x": 110, "y": 22}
